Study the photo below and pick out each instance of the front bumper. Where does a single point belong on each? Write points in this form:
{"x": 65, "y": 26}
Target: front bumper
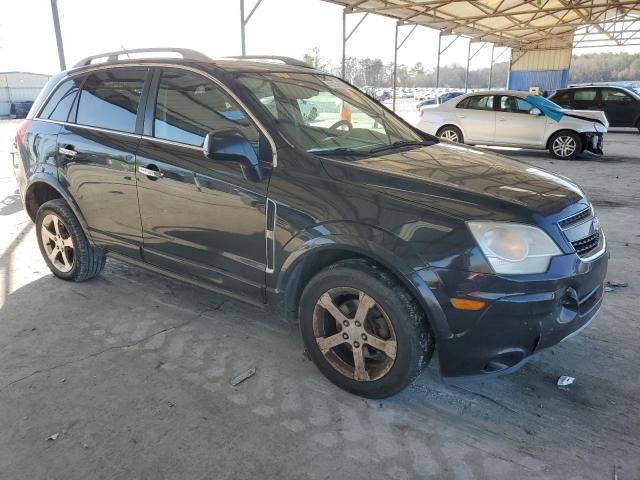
{"x": 593, "y": 142}
{"x": 523, "y": 314}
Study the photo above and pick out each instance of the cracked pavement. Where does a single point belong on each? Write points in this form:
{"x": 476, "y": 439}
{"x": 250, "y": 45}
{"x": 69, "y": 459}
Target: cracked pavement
{"x": 132, "y": 371}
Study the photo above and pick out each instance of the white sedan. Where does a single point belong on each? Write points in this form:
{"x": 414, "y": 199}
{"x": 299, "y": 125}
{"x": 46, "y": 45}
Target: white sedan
{"x": 508, "y": 118}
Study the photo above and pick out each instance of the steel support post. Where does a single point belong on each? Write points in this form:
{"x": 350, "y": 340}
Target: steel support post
{"x": 466, "y": 75}
{"x": 493, "y": 47}
{"x": 346, "y": 37}
{"x": 243, "y": 23}
{"x": 395, "y": 58}
{"x": 438, "y": 64}
{"x": 56, "y": 28}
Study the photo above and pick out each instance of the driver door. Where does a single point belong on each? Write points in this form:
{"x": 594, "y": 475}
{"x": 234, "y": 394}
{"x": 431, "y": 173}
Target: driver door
{"x": 200, "y": 217}
{"x": 516, "y": 126}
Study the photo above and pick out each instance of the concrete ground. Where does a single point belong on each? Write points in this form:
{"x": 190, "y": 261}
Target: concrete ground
{"x": 131, "y": 371}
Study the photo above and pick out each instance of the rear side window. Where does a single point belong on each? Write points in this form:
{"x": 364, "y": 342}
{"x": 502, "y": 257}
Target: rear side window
{"x": 585, "y": 95}
{"x": 59, "y": 104}
{"x": 615, "y": 97}
{"x": 189, "y": 106}
{"x": 479, "y": 102}
{"x": 110, "y": 99}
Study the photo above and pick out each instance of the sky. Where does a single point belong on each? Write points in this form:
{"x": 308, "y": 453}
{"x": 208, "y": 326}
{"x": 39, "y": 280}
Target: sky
{"x": 278, "y": 27}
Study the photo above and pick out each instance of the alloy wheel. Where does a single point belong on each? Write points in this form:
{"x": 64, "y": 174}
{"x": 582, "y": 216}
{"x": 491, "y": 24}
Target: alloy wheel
{"x": 58, "y": 244}
{"x": 450, "y": 135}
{"x": 354, "y": 334}
{"x": 564, "y": 146}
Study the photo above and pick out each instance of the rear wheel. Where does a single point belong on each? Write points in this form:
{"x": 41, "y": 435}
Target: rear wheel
{"x": 565, "y": 145}
{"x": 63, "y": 244}
{"x": 451, "y": 133}
{"x": 363, "y": 330}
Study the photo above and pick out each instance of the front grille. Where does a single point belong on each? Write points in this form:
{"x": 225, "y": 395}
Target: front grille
{"x": 585, "y": 245}
{"x": 581, "y": 215}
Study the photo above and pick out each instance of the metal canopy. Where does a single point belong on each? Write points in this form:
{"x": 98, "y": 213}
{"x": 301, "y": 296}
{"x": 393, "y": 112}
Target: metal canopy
{"x": 516, "y": 23}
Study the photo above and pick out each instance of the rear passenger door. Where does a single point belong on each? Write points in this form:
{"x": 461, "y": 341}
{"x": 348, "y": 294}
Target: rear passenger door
{"x": 477, "y": 118}
{"x": 201, "y": 217}
{"x": 96, "y": 156}
{"x": 619, "y": 107}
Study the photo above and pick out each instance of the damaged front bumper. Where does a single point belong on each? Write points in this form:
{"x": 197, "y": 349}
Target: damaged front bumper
{"x": 593, "y": 142}
{"x": 522, "y": 315}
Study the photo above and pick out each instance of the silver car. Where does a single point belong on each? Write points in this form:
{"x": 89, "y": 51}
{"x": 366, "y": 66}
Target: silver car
{"x": 508, "y": 118}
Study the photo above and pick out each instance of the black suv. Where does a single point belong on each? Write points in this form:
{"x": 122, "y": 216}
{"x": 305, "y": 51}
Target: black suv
{"x": 381, "y": 240}
{"x": 620, "y": 105}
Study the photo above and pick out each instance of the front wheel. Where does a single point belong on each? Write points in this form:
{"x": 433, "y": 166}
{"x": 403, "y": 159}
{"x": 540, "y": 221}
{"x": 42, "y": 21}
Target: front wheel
{"x": 363, "y": 330}
{"x": 63, "y": 244}
{"x": 451, "y": 133}
{"x": 565, "y": 145}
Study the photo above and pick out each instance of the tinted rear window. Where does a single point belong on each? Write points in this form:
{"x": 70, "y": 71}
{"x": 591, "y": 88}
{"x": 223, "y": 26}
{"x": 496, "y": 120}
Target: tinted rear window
{"x": 59, "y": 104}
{"x": 586, "y": 95}
{"x": 110, "y": 99}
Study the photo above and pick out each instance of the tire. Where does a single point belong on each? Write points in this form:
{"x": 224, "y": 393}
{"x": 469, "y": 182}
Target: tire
{"x": 451, "y": 133}
{"x": 64, "y": 246}
{"x": 565, "y": 145}
{"x": 393, "y": 318}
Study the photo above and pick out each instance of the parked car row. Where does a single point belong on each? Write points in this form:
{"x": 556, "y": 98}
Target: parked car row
{"x": 516, "y": 119}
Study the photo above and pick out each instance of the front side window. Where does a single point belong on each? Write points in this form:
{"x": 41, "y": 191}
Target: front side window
{"x": 110, "y": 99}
{"x": 562, "y": 98}
{"x": 478, "y": 102}
{"x": 189, "y": 107}
{"x": 324, "y": 115}
{"x": 585, "y": 95}
{"x": 59, "y": 105}
{"x": 514, "y": 105}
{"x": 615, "y": 97}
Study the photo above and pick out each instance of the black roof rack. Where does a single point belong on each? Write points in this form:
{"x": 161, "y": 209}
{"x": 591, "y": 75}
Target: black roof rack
{"x": 187, "y": 54}
{"x": 273, "y": 59}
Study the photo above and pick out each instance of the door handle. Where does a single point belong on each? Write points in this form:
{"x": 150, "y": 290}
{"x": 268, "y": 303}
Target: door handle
{"x": 462, "y": 116}
{"x": 67, "y": 151}
{"x": 502, "y": 119}
{"x": 149, "y": 172}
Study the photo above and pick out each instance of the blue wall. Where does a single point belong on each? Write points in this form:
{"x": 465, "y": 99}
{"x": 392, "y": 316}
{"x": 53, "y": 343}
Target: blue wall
{"x": 549, "y": 80}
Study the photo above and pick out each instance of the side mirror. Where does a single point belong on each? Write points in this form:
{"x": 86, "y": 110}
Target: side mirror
{"x": 230, "y": 145}
{"x": 535, "y": 111}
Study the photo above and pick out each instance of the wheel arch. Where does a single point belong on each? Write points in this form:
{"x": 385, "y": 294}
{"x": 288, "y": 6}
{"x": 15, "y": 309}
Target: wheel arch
{"x": 561, "y": 130}
{"x": 451, "y": 124}
{"x": 41, "y": 189}
{"x": 318, "y": 253}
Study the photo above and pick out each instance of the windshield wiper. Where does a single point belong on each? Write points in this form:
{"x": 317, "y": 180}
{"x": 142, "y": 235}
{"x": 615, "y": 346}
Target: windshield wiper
{"x": 342, "y": 151}
{"x": 400, "y": 144}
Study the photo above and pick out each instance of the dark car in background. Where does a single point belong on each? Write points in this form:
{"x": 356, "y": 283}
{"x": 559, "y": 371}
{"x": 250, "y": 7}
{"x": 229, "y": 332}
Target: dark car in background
{"x": 380, "y": 240}
{"x": 620, "y": 105}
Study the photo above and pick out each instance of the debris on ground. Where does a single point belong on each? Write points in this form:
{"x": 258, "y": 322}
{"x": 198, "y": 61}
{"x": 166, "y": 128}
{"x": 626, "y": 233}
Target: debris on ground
{"x": 611, "y": 286}
{"x": 54, "y": 437}
{"x": 242, "y": 377}
{"x": 565, "y": 381}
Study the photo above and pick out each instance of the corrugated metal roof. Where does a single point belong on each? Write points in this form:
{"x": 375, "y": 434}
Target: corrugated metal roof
{"x": 517, "y": 23}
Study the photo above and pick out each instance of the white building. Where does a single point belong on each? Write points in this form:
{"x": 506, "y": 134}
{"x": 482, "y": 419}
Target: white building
{"x": 19, "y": 87}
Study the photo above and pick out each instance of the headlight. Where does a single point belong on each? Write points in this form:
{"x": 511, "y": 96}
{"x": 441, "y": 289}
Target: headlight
{"x": 512, "y": 248}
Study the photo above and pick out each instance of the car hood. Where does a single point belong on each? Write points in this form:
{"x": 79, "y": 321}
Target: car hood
{"x": 468, "y": 183}
{"x": 587, "y": 115}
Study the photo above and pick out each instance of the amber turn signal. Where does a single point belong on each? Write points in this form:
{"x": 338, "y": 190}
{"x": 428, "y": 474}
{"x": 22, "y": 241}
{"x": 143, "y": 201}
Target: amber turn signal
{"x": 466, "y": 304}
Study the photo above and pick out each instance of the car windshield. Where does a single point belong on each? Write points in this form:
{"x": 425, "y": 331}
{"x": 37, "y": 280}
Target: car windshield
{"x": 324, "y": 115}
